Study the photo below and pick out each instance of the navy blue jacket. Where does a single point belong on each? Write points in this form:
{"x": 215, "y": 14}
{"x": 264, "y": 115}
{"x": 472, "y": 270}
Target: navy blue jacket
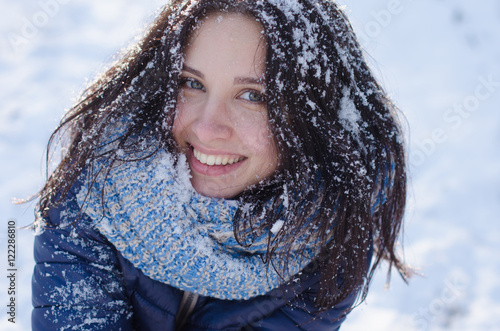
{"x": 81, "y": 282}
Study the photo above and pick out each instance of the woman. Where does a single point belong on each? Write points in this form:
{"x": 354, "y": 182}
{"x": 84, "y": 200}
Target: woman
{"x": 237, "y": 169}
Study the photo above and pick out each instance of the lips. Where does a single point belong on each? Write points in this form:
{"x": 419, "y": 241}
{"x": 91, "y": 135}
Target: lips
{"x": 216, "y": 159}
{"x": 213, "y": 164}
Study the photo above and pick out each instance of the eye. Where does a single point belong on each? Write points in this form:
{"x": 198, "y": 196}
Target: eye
{"x": 253, "y": 96}
{"x": 192, "y": 84}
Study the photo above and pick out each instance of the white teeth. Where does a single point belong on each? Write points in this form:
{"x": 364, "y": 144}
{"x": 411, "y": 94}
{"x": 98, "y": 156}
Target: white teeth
{"x": 210, "y": 160}
{"x": 215, "y": 159}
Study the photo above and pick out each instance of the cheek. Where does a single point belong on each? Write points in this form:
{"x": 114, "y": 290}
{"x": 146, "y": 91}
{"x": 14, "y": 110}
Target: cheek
{"x": 271, "y": 153}
{"x": 263, "y": 144}
{"x": 178, "y": 127}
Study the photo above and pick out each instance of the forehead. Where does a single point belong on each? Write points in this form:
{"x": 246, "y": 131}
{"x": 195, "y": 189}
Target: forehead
{"x": 229, "y": 38}
{"x": 230, "y": 24}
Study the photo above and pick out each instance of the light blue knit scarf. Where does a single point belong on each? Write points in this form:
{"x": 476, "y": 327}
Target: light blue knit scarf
{"x": 153, "y": 216}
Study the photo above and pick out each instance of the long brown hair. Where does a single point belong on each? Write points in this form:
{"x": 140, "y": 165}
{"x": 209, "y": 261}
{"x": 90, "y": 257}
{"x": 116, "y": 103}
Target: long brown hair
{"x": 341, "y": 186}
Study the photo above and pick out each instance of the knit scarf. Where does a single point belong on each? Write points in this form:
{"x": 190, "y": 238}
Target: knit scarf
{"x": 155, "y": 219}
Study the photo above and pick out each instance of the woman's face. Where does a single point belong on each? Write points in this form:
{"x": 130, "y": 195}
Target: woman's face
{"x": 221, "y": 123}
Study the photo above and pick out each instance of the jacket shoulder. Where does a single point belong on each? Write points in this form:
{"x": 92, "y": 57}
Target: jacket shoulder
{"x": 76, "y": 281}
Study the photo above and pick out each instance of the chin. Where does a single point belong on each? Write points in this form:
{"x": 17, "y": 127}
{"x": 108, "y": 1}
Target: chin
{"x": 216, "y": 190}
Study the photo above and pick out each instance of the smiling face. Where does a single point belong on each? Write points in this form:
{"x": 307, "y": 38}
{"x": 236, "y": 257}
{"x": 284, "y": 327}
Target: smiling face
{"x": 221, "y": 123}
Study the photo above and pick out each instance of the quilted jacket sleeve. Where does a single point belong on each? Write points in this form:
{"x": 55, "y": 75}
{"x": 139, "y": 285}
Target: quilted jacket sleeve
{"x": 77, "y": 284}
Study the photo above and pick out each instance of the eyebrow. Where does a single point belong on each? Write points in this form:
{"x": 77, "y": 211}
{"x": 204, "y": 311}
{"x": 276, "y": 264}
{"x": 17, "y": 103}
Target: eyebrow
{"x": 249, "y": 80}
{"x": 237, "y": 80}
{"x": 193, "y": 71}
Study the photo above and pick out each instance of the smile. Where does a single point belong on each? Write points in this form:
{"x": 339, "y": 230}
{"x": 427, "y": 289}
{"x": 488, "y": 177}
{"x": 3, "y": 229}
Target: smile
{"x": 216, "y": 159}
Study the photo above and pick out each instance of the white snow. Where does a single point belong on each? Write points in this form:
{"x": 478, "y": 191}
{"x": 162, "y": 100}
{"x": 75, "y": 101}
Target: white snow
{"x": 277, "y": 226}
{"x": 439, "y": 60}
{"x": 349, "y": 116}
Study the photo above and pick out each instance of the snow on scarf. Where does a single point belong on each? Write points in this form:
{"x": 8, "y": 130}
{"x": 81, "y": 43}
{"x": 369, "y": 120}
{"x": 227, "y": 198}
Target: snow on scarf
{"x": 174, "y": 235}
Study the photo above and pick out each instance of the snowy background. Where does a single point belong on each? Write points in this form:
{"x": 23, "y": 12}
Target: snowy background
{"x": 438, "y": 59}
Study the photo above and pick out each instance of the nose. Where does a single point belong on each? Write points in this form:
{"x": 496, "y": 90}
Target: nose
{"x": 213, "y": 121}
